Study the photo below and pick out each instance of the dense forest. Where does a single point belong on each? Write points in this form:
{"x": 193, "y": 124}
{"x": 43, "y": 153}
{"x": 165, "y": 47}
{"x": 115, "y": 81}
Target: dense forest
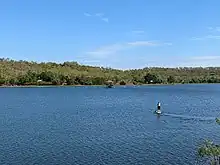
{"x": 71, "y": 73}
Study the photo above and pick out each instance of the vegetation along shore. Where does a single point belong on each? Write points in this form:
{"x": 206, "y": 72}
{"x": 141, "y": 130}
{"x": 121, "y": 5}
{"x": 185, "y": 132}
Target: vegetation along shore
{"x": 24, "y": 73}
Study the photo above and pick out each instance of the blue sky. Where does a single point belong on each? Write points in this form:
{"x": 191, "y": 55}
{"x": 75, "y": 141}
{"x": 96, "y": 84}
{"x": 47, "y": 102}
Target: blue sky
{"x": 120, "y": 34}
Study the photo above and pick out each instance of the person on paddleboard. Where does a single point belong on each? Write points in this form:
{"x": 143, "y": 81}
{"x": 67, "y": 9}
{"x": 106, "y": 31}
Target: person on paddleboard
{"x": 158, "y": 105}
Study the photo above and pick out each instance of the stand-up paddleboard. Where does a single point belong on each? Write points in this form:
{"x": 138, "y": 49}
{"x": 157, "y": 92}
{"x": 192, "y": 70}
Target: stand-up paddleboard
{"x": 158, "y": 111}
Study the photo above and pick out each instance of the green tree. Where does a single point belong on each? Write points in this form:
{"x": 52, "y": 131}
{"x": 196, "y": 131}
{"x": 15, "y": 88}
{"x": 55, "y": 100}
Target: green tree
{"x": 171, "y": 79}
{"x": 122, "y": 82}
{"x": 13, "y": 81}
{"x": 150, "y": 78}
{"x": 2, "y": 81}
{"x": 98, "y": 80}
{"x": 56, "y": 81}
{"x": 46, "y": 76}
{"x": 69, "y": 80}
{"x": 77, "y": 80}
{"x": 210, "y": 151}
{"x": 31, "y": 77}
{"x": 22, "y": 80}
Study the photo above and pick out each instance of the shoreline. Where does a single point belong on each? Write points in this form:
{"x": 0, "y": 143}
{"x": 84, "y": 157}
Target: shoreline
{"x": 117, "y": 85}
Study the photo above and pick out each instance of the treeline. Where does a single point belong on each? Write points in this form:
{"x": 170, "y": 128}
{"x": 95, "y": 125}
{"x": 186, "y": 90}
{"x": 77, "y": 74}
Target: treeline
{"x": 71, "y": 73}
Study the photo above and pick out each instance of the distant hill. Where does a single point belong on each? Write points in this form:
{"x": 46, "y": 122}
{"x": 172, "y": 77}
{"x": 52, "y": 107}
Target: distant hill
{"x": 71, "y": 73}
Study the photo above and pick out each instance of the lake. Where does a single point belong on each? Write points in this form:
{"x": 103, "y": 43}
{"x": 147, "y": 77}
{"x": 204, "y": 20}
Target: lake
{"x": 96, "y": 125}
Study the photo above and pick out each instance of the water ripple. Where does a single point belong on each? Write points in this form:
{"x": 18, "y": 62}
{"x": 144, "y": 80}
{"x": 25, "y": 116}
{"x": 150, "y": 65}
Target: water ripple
{"x": 95, "y": 125}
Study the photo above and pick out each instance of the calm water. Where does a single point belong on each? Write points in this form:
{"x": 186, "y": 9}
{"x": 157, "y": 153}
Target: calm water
{"x": 96, "y": 125}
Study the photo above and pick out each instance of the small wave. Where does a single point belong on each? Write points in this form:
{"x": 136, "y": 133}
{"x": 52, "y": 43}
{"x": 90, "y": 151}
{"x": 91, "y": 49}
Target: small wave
{"x": 189, "y": 117}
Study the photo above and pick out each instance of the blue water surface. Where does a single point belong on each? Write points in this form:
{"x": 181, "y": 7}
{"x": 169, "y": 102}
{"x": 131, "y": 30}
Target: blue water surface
{"x": 97, "y": 125}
